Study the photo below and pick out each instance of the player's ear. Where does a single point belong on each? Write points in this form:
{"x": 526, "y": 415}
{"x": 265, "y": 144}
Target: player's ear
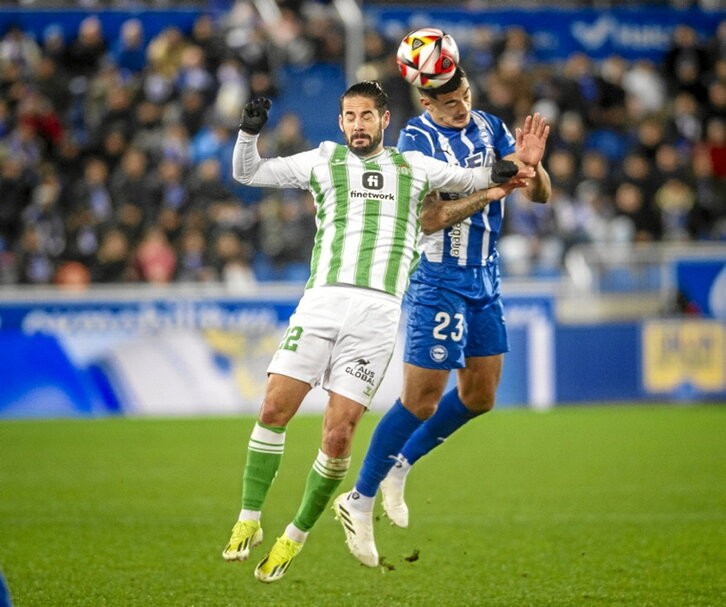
{"x": 385, "y": 119}
{"x": 340, "y": 123}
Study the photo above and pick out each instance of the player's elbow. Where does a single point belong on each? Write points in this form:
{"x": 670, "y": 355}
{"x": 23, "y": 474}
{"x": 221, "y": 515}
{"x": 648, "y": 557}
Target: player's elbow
{"x": 242, "y": 176}
{"x": 431, "y": 223}
{"x": 433, "y": 216}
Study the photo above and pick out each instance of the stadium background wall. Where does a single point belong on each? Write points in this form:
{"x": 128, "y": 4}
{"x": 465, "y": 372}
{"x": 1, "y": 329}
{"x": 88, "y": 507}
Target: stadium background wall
{"x": 180, "y": 352}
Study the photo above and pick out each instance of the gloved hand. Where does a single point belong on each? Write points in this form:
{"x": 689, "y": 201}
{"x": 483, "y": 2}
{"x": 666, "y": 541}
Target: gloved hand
{"x": 254, "y": 115}
{"x": 503, "y": 170}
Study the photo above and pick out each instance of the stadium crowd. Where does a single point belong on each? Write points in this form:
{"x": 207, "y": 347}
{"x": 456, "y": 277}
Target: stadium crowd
{"x": 115, "y": 154}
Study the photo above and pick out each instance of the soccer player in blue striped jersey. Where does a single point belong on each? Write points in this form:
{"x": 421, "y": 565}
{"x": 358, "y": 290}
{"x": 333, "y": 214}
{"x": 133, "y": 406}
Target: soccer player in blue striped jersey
{"x": 455, "y": 312}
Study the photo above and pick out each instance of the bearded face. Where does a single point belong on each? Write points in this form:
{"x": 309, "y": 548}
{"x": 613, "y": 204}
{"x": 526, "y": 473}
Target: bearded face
{"x": 363, "y": 126}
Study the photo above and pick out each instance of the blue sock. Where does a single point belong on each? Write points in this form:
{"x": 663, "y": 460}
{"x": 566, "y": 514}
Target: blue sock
{"x": 391, "y": 433}
{"x": 450, "y": 415}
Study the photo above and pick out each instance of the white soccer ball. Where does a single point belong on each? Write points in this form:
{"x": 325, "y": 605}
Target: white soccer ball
{"x": 427, "y": 58}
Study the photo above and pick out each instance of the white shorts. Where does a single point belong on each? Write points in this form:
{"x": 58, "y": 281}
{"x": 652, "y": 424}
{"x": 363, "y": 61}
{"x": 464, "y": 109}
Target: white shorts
{"x": 340, "y": 337}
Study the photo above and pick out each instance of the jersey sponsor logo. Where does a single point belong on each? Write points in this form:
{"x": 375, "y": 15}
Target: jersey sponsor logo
{"x": 455, "y": 239}
{"x": 372, "y": 180}
{"x": 359, "y": 369}
{"x": 438, "y": 353}
{"x": 475, "y": 160}
{"x": 371, "y": 195}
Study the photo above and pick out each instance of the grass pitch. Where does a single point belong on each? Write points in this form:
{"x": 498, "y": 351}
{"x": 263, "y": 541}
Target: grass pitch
{"x": 578, "y": 506}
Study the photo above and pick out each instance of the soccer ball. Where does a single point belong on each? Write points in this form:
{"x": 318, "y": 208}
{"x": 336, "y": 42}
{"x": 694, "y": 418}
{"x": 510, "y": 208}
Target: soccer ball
{"x": 427, "y": 58}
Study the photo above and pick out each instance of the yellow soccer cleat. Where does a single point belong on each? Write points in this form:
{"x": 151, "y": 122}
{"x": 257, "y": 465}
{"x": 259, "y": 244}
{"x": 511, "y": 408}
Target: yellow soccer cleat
{"x": 274, "y": 566}
{"x": 245, "y": 535}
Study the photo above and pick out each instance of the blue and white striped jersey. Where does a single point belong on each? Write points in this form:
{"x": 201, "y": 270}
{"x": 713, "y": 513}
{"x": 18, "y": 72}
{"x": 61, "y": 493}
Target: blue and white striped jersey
{"x": 486, "y": 139}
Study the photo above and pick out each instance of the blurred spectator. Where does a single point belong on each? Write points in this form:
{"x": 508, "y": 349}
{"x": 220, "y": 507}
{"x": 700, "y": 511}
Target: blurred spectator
{"x": 129, "y": 51}
{"x": 675, "y": 199}
{"x": 54, "y": 46}
{"x": 531, "y": 245}
{"x": 645, "y": 88}
{"x": 686, "y": 121}
{"x": 111, "y": 263}
{"x": 193, "y": 73}
{"x": 644, "y": 218}
{"x": 85, "y": 52}
{"x": 155, "y": 259}
{"x": 287, "y": 137}
{"x": 233, "y": 91}
{"x": 16, "y": 186}
{"x": 52, "y": 84}
{"x": 637, "y": 170}
{"x": 231, "y": 260}
{"x": 72, "y": 275}
{"x": 113, "y": 147}
{"x": 45, "y": 212}
{"x": 287, "y": 228}
{"x": 707, "y": 219}
{"x": 38, "y": 112}
{"x": 91, "y": 193}
{"x": 117, "y": 113}
{"x": 685, "y": 62}
{"x": 36, "y": 265}
{"x": 715, "y": 145}
{"x": 207, "y": 37}
{"x": 130, "y": 184}
{"x": 170, "y": 191}
{"x": 206, "y": 186}
{"x": 193, "y": 264}
{"x": 20, "y": 49}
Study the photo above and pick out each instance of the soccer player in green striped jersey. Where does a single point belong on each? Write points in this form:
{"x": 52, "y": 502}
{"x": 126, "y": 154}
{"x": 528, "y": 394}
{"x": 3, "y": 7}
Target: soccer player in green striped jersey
{"x": 343, "y": 331}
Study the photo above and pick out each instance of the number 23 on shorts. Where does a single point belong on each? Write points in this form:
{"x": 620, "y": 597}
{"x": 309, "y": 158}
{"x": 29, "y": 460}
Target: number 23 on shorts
{"x": 448, "y": 327}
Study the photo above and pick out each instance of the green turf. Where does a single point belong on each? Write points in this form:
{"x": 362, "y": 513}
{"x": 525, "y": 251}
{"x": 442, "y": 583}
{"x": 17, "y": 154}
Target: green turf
{"x": 578, "y": 506}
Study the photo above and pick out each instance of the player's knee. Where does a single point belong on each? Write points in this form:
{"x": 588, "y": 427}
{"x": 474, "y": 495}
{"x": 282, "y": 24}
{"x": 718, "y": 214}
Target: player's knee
{"x": 273, "y": 414}
{"x": 479, "y": 402}
{"x": 337, "y": 440}
{"x": 421, "y": 408}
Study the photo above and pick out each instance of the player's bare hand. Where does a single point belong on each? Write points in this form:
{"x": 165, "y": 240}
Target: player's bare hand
{"x": 530, "y": 140}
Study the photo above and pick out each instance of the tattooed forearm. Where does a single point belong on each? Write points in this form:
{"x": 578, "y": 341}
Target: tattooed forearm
{"x": 438, "y": 214}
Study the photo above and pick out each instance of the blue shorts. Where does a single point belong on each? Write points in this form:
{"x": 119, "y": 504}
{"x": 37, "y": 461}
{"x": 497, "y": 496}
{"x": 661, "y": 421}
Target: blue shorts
{"x": 453, "y": 313}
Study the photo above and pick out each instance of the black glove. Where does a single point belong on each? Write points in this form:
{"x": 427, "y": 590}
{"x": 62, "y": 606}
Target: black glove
{"x": 254, "y": 115}
{"x": 503, "y": 170}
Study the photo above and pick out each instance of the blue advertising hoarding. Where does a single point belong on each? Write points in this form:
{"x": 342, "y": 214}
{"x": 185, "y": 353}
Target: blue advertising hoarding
{"x": 637, "y": 32}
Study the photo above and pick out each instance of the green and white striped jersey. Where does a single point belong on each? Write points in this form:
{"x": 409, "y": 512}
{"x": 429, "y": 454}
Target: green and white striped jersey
{"x": 366, "y": 209}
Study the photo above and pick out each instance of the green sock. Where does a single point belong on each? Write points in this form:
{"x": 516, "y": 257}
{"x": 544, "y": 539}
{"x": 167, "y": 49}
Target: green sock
{"x": 323, "y": 479}
{"x": 264, "y": 453}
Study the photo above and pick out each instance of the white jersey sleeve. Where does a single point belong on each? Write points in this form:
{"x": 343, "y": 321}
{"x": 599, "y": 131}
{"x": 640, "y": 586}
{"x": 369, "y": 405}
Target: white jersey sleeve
{"x": 449, "y": 177}
{"x": 288, "y": 172}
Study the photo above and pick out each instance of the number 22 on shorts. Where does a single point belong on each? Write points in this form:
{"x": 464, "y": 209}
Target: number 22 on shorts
{"x": 289, "y": 341}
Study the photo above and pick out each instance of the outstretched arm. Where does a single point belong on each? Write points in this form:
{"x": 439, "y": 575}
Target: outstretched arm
{"x": 437, "y": 214}
{"x": 530, "y": 143}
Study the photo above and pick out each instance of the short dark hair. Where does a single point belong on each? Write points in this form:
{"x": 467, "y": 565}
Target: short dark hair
{"x": 448, "y": 87}
{"x": 370, "y": 89}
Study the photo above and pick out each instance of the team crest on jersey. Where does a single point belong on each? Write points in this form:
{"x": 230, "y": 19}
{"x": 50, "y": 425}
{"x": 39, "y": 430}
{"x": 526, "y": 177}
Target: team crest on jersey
{"x": 372, "y": 180}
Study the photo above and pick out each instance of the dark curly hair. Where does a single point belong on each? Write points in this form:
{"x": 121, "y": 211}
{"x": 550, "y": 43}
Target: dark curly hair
{"x": 448, "y": 87}
{"x": 370, "y": 89}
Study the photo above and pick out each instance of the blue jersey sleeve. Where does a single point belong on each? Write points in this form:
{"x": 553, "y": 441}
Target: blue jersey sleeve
{"x": 503, "y": 139}
{"x": 412, "y": 138}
